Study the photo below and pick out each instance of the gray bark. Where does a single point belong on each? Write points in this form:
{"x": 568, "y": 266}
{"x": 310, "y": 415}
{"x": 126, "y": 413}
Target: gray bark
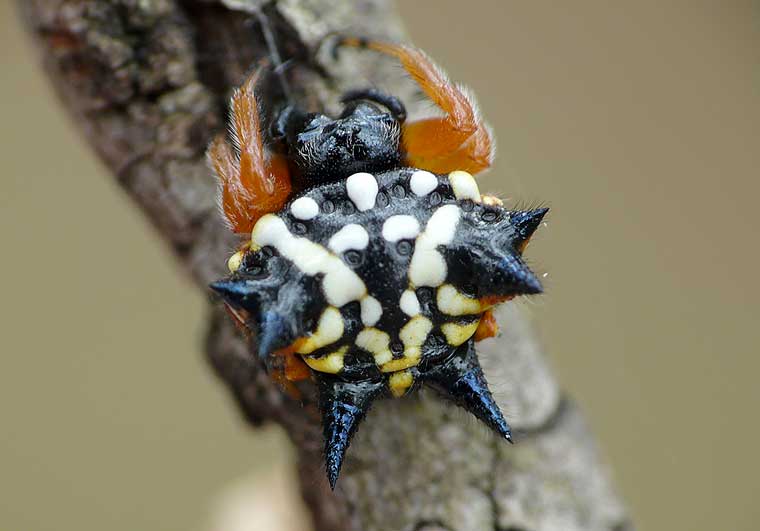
{"x": 147, "y": 81}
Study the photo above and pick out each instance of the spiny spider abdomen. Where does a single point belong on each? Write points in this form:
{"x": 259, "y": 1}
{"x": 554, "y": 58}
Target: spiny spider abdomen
{"x": 368, "y": 273}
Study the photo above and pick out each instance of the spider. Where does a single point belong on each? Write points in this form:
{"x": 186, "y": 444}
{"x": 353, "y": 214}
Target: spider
{"x": 372, "y": 262}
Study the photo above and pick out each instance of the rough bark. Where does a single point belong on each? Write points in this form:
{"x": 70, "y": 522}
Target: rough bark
{"x": 147, "y": 81}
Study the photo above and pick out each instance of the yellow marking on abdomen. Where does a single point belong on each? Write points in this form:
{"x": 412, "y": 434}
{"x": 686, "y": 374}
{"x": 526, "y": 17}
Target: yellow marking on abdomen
{"x": 235, "y": 261}
{"x": 400, "y": 382}
{"x": 457, "y": 334}
{"x": 453, "y": 302}
{"x": 377, "y": 343}
{"x": 410, "y": 359}
{"x": 413, "y": 335}
{"x": 331, "y": 363}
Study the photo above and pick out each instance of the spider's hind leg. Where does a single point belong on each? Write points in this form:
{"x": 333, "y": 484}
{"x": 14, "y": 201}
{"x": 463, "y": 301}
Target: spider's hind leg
{"x": 459, "y": 140}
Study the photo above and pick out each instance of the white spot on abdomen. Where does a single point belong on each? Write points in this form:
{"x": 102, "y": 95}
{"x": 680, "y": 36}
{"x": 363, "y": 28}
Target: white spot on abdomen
{"x": 423, "y": 182}
{"x": 371, "y": 311}
{"x": 304, "y": 208}
{"x": 400, "y": 227}
{"x": 340, "y": 284}
{"x": 352, "y": 236}
{"x": 428, "y": 268}
{"x": 464, "y": 186}
{"x": 409, "y": 303}
{"x": 362, "y": 190}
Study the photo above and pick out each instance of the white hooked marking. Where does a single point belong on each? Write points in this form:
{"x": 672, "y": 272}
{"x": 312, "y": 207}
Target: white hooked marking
{"x": 428, "y": 267}
{"x": 304, "y": 208}
{"x": 371, "y": 311}
{"x": 423, "y": 182}
{"x": 464, "y": 186}
{"x": 340, "y": 284}
{"x": 352, "y": 236}
{"x": 329, "y": 330}
{"x": 362, "y": 190}
{"x": 409, "y": 303}
{"x": 400, "y": 227}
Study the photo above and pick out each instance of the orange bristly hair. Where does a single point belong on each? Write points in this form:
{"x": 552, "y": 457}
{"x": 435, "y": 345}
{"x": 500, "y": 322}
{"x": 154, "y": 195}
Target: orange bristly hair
{"x": 252, "y": 184}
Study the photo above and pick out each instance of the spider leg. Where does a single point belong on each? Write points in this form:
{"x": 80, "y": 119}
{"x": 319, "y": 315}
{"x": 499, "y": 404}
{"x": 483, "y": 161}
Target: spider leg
{"x": 252, "y": 182}
{"x": 459, "y": 140}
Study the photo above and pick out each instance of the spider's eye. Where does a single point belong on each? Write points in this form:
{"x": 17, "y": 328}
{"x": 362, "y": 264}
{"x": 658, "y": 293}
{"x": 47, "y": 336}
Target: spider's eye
{"x": 313, "y": 126}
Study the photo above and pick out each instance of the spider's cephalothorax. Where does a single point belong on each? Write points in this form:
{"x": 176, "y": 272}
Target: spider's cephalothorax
{"x": 374, "y": 270}
{"x": 365, "y": 137}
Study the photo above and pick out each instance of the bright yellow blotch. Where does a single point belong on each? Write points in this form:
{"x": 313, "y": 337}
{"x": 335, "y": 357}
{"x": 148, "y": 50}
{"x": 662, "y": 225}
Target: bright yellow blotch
{"x": 377, "y": 343}
{"x": 453, "y": 302}
{"x": 415, "y": 332}
{"x": 410, "y": 359}
{"x": 332, "y": 363}
{"x": 412, "y": 335}
{"x": 400, "y": 382}
{"x": 235, "y": 261}
{"x": 329, "y": 330}
{"x": 457, "y": 334}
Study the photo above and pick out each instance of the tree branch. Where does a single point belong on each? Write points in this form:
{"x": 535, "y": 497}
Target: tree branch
{"x": 147, "y": 81}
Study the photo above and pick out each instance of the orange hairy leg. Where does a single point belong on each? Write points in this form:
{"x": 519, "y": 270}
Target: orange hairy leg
{"x": 490, "y": 301}
{"x": 293, "y": 369}
{"x": 253, "y": 183}
{"x": 487, "y": 326}
{"x": 459, "y": 140}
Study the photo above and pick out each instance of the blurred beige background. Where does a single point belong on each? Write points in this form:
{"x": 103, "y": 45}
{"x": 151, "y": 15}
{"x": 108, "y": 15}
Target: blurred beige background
{"x": 637, "y": 122}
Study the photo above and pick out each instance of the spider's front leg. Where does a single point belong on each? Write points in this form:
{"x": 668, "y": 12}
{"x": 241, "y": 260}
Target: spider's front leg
{"x": 253, "y": 182}
{"x": 459, "y": 140}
